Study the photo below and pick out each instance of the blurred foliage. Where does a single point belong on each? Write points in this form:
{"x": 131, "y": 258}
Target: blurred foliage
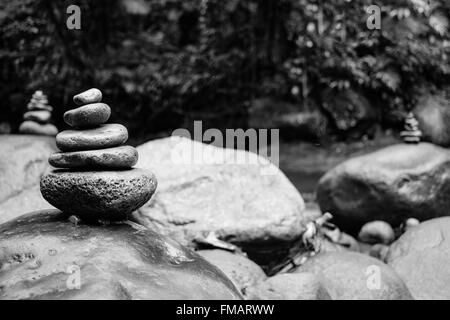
{"x": 163, "y": 63}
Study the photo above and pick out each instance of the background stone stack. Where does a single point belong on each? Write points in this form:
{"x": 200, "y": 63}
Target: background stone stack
{"x": 99, "y": 181}
{"x": 411, "y": 134}
{"x": 37, "y": 118}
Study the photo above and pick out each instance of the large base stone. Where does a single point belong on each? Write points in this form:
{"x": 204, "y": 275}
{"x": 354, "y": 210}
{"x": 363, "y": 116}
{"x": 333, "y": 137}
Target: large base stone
{"x": 45, "y": 256}
{"x": 110, "y": 195}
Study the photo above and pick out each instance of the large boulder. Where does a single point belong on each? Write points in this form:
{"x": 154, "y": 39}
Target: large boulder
{"x": 252, "y": 205}
{"x": 391, "y": 184}
{"x": 289, "y": 286}
{"x": 433, "y": 113}
{"x": 28, "y": 200}
{"x": 421, "y": 258}
{"x": 355, "y": 276}
{"x": 44, "y": 255}
{"x": 23, "y": 160}
{"x": 242, "y": 271}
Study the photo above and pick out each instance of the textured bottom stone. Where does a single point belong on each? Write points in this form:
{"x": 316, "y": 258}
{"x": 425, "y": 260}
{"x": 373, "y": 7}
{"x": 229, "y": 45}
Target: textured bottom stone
{"x": 109, "y": 195}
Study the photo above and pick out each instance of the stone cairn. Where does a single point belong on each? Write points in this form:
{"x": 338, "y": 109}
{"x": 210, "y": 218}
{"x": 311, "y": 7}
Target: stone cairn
{"x": 97, "y": 179}
{"x": 37, "y": 118}
{"x": 412, "y": 133}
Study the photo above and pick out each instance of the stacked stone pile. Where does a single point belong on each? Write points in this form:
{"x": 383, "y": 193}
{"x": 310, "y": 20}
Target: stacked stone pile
{"x": 97, "y": 179}
{"x": 37, "y": 118}
{"x": 412, "y": 133}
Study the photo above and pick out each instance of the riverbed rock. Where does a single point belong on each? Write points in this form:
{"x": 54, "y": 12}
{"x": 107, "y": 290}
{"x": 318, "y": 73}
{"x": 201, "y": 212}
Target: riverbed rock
{"x": 106, "y": 195}
{"x": 89, "y": 96}
{"x": 243, "y": 272}
{"x": 354, "y": 276}
{"x": 377, "y": 232}
{"x": 421, "y": 258}
{"x": 104, "y": 136}
{"x": 289, "y": 286}
{"x": 252, "y": 205}
{"x": 44, "y": 255}
{"x": 123, "y": 157}
{"x": 391, "y": 184}
{"x": 90, "y": 115}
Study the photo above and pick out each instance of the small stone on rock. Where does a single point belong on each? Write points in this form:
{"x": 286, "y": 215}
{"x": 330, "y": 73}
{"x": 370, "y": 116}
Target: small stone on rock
{"x": 88, "y": 96}
{"x": 90, "y": 115}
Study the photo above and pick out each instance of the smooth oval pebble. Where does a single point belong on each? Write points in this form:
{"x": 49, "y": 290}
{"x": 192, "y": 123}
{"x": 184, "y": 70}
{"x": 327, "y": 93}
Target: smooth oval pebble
{"x": 41, "y": 116}
{"x": 31, "y": 127}
{"x": 109, "y": 195}
{"x": 89, "y": 96}
{"x": 377, "y": 232}
{"x": 105, "y": 136}
{"x": 90, "y": 115}
{"x": 111, "y": 158}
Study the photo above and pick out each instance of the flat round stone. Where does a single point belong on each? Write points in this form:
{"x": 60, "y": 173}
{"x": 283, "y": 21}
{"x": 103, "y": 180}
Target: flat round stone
{"x": 31, "y": 127}
{"x": 41, "y": 116}
{"x": 90, "y": 115}
{"x": 89, "y": 96}
{"x": 105, "y": 136}
{"x": 111, "y": 158}
{"x": 39, "y": 106}
{"x": 109, "y": 195}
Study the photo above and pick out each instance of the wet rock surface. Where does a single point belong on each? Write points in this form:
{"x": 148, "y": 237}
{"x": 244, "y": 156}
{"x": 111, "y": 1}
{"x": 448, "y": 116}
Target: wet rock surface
{"x": 42, "y": 253}
{"x": 421, "y": 258}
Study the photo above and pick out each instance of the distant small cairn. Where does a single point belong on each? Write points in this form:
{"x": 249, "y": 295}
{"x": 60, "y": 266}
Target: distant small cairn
{"x": 37, "y": 118}
{"x": 412, "y": 133}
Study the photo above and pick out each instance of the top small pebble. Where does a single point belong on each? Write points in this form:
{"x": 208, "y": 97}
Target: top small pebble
{"x": 88, "y": 96}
